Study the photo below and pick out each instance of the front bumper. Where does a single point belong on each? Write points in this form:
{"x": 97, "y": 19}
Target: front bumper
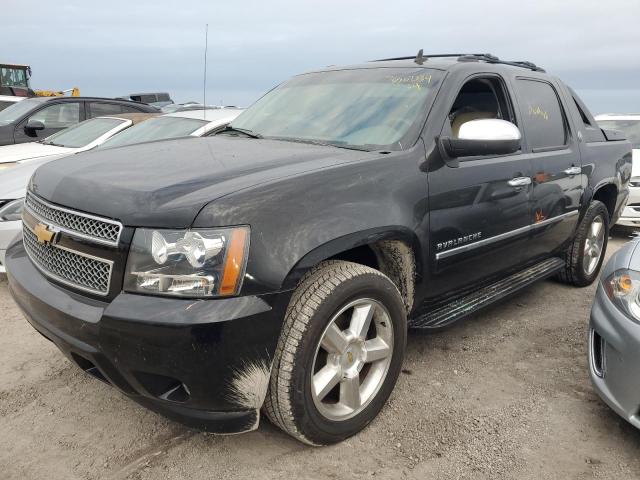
{"x": 205, "y": 363}
{"x": 8, "y": 231}
{"x": 617, "y": 358}
{"x": 630, "y": 216}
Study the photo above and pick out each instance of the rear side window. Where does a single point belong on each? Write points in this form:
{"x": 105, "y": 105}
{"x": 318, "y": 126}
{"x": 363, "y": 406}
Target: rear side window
{"x": 543, "y": 118}
{"x": 101, "y": 109}
{"x": 127, "y": 109}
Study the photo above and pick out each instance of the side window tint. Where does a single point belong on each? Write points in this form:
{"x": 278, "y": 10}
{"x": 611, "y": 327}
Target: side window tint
{"x": 543, "y": 119}
{"x": 100, "y": 109}
{"x": 60, "y": 115}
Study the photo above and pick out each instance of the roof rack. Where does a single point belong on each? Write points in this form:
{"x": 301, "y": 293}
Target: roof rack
{"x": 437, "y": 55}
{"x": 420, "y": 58}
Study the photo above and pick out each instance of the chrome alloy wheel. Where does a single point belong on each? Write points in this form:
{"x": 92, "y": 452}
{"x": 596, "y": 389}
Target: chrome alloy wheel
{"x": 593, "y": 245}
{"x": 352, "y": 359}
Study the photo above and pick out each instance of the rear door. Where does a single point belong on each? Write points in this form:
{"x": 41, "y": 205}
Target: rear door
{"x": 553, "y": 150}
{"x": 55, "y": 116}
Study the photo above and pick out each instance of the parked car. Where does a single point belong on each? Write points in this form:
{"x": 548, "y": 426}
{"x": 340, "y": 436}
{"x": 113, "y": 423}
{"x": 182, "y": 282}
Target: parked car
{"x": 34, "y": 119}
{"x": 174, "y": 125}
{"x": 13, "y": 181}
{"x": 629, "y": 125}
{"x": 77, "y": 138}
{"x": 8, "y": 100}
{"x": 614, "y": 335}
{"x": 278, "y": 264}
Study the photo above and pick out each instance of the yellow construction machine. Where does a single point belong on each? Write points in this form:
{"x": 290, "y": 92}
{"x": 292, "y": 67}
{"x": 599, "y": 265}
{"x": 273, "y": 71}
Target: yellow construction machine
{"x": 14, "y": 80}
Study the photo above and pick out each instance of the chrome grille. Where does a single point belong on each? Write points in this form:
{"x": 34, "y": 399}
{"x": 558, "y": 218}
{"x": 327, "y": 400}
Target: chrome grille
{"x": 71, "y": 268}
{"x": 80, "y": 224}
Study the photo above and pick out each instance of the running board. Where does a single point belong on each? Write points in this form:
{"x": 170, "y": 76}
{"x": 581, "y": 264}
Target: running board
{"x": 461, "y": 307}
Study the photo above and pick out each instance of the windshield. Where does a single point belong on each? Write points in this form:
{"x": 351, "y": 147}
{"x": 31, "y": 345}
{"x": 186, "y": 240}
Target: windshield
{"x": 370, "y": 108}
{"x": 84, "y": 133}
{"x": 17, "y": 110}
{"x": 4, "y": 104}
{"x": 157, "y": 128}
{"x": 13, "y": 77}
{"x": 631, "y": 129}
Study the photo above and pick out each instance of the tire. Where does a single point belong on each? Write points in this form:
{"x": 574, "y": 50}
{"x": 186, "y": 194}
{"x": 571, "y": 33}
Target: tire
{"x": 576, "y": 271}
{"x": 292, "y": 403}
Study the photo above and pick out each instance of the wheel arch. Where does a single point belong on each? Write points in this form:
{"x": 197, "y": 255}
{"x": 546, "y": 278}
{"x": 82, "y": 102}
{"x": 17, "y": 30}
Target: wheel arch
{"x": 393, "y": 250}
{"x": 607, "y": 193}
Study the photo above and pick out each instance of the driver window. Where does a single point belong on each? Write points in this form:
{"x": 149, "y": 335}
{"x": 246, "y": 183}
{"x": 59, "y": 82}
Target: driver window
{"x": 60, "y": 115}
{"x": 478, "y": 99}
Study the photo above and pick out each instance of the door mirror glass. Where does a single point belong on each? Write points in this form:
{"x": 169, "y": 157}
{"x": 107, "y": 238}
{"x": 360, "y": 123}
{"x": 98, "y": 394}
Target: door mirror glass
{"x": 33, "y": 125}
{"x": 490, "y": 136}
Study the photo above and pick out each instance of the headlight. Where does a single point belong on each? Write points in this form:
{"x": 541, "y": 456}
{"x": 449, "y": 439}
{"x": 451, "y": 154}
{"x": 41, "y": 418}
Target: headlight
{"x": 623, "y": 289}
{"x": 189, "y": 263}
{"x": 11, "y": 211}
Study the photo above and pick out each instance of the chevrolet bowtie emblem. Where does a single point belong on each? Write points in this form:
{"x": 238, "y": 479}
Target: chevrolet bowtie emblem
{"x": 44, "y": 234}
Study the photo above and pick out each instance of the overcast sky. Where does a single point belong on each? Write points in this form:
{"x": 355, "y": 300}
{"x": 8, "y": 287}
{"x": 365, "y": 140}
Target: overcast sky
{"x": 115, "y": 47}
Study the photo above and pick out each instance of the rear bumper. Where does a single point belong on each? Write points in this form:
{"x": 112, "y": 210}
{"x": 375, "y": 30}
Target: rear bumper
{"x": 205, "y": 363}
{"x": 616, "y": 379}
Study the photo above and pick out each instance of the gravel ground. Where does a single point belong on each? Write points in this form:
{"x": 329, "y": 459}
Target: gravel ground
{"x": 504, "y": 394}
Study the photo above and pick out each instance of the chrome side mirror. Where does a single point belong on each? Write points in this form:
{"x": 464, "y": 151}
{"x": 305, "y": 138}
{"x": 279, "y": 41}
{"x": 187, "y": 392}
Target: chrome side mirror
{"x": 489, "y": 136}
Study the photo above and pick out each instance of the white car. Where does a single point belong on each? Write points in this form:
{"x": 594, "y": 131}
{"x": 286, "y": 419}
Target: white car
{"x": 77, "y": 138}
{"x": 7, "y": 100}
{"x": 630, "y": 126}
{"x": 195, "y": 123}
{"x": 13, "y": 181}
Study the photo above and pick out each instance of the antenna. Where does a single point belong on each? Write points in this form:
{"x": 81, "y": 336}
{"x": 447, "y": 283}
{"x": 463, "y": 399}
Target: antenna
{"x": 204, "y": 86}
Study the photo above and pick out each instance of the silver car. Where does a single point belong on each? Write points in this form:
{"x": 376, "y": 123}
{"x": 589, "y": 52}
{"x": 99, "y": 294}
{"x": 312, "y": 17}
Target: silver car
{"x": 614, "y": 334}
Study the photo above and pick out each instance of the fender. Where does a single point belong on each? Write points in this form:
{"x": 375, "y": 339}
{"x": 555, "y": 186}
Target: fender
{"x": 300, "y": 220}
{"x": 600, "y": 174}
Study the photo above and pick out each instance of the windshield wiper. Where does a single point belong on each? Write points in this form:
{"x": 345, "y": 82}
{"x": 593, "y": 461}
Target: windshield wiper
{"x": 245, "y": 131}
{"x": 337, "y": 144}
{"x": 52, "y": 143}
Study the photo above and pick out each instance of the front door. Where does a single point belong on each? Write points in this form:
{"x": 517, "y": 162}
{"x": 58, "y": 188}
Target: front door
{"x": 54, "y": 117}
{"x": 555, "y": 160}
{"x": 479, "y": 208}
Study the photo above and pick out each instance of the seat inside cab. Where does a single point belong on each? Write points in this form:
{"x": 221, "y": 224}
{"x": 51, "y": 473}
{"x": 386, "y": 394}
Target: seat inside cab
{"x": 479, "y": 98}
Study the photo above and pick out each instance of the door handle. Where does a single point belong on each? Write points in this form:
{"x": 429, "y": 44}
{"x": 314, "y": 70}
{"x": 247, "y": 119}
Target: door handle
{"x": 573, "y": 171}
{"x": 519, "y": 182}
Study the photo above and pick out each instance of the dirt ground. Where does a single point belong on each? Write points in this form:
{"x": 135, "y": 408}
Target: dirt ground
{"x": 505, "y": 394}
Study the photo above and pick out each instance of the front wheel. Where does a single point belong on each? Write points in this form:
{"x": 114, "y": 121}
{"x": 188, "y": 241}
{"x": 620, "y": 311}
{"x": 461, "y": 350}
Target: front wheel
{"x": 339, "y": 354}
{"x": 585, "y": 255}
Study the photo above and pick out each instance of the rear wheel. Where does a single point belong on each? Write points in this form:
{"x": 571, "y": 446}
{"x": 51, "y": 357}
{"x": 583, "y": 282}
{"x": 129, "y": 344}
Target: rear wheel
{"x": 585, "y": 255}
{"x": 339, "y": 354}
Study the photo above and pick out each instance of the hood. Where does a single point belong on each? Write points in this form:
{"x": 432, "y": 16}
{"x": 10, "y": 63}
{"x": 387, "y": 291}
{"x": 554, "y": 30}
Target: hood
{"x": 166, "y": 183}
{"x": 635, "y": 168}
{"x": 27, "y": 151}
{"x": 13, "y": 181}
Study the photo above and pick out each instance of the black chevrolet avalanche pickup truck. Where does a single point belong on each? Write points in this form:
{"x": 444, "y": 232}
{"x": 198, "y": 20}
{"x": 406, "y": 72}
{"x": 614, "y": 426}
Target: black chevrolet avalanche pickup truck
{"x": 278, "y": 265}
